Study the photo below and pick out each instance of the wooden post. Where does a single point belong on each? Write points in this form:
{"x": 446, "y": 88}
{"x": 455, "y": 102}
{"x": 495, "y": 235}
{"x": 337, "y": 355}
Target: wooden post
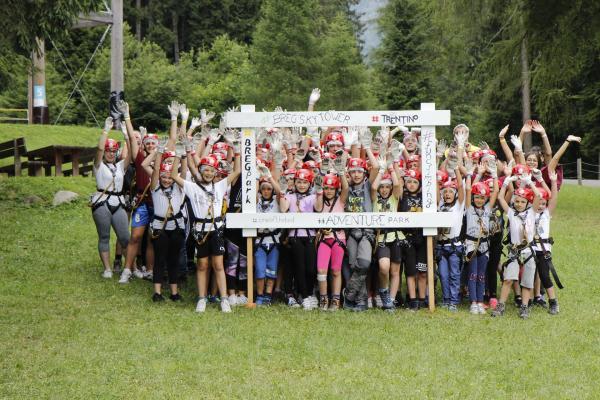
{"x": 58, "y": 159}
{"x": 579, "y": 172}
{"x": 430, "y": 266}
{"x": 17, "y": 156}
{"x": 250, "y": 274}
{"x": 75, "y": 162}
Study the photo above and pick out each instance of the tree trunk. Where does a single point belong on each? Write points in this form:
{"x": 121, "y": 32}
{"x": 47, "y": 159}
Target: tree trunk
{"x": 175, "y": 19}
{"x": 138, "y": 20}
{"x": 526, "y": 91}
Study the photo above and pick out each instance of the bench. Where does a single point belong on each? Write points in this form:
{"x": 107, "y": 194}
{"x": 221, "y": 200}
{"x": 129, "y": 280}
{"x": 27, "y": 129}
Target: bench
{"x": 16, "y": 148}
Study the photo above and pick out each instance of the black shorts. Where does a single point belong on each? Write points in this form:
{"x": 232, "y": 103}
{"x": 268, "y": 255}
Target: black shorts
{"x": 391, "y": 250}
{"x": 415, "y": 259}
{"x": 214, "y": 245}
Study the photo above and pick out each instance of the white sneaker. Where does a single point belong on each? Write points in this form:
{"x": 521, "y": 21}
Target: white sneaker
{"x": 201, "y": 305}
{"x": 107, "y": 274}
{"x": 474, "y": 309}
{"x": 292, "y": 302}
{"x": 225, "y": 306}
{"x": 481, "y": 309}
{"x": 314, "y": 302}
{"x": 370, "y": 302}
{"x": 138, "y": 274}
{"x": 233, "y": 300}
{"x": 307, "y": 303}
{"x": 125, "y": 275}
{"x": 241, "y": 300}
{"x": 378, "y": 301}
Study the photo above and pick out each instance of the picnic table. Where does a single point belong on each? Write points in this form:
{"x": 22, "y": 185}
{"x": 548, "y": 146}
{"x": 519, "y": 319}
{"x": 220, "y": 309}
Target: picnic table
{"x": 57, "y": 155}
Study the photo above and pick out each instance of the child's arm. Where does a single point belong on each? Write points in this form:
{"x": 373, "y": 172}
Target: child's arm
{"x": 284, "y": 204}
{"x": 554, "y": 193}
{"x": 459, "y": 186}
{"x": 501, "y": 196}
{"x": 505, "y": 148}
{"x": 396, "y": 186}
{"x": 468, "y": 191}
{"x": 554, "y": 162}
{"x": 175, "y": 174}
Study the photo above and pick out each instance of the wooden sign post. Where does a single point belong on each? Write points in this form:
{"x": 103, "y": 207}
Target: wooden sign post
{"x": 430, "y": 219}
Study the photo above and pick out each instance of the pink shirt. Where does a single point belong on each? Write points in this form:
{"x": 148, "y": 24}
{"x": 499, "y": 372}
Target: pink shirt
{"x": 305, "y": 204}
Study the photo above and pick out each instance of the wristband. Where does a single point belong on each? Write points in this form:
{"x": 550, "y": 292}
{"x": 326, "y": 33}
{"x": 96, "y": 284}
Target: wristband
{"x": 502, "y": 140}
{"x": 127, "y": 118}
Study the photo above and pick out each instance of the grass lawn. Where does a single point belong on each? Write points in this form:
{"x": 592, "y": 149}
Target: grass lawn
{"x": 67, "y": 333}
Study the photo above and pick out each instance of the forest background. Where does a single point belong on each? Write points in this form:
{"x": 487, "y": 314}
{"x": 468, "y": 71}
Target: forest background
{"x": 469, "y": 56}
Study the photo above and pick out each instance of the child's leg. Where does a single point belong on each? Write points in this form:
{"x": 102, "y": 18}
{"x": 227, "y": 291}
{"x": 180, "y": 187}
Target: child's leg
{"x": 543, "y": 269}
{"x": 271, "y": 271}
{"x": 482, "y": 261}
{"x": 454, "y": 260}
{"x": 311, "y": 265}
{"x": 176, "y": 239}
{"x": 299, "y": 262}
{"x": 383, "y": 257}
{"x": 260, "y": 263}
{"x": 528, "y": 276}
{"x": 162, "y": 248}
{"x": 337, "y": 258}
{"x": 202, "y": 276}
{"x": 219, "y": 274}
{"x": 444, "y": 271}
{"x": 410, "y": 271}
{"x": 473, "y": 268}
{"x": 323, "y": 258}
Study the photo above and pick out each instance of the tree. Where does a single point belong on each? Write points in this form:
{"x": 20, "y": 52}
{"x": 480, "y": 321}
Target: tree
{"x": 400, "y": 61}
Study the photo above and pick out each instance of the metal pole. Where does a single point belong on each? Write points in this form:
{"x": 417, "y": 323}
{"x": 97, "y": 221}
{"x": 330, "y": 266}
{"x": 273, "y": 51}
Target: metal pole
{"x": 116, "y": 47}
{"x": 525, "y": 92}
{"x": 579, "y": 172}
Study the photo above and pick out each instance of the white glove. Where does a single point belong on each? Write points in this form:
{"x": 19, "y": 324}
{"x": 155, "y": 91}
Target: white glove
{"x": 213, "y": 136}
{"x": 326, "y": 165}
{"x": 526, "y": 180}
{"x": 283, "y": 183}
{"x": 483, "y": 145}
{"x": 365, "y": 138}
{"x": 460, "y": 139}
{"x": 195, "y": 123}
{"x": 514, "y": 139}
{"x": 469, "y": 166}
{"x": 263, "y": 171}
{"x": 381, "y": 163}
{"x": 143, "y": 132}
{"x": 124, "y": 131}
{"x": 315, "y": 155}
{"x": 299, "y": 156}
{"x": 441, "y": 148}
{"x": 108, "y": 124}
{"x": 123, "y": 108}
{"x": 206, "y": 117}
{"x": 314, "y": 96}
{"x": 174, "y": 110}
{"x": 184, "y": 111}
{"x": 278, "y": 159}
{"x": 537, "y": 174}
{"x": 313, "y": 132}
{"x": 162, "y": 145}
{"x": 350, "y": 136}
{"x": 318, "y": 184}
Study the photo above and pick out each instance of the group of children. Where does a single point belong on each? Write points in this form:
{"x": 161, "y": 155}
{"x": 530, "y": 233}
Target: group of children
{"x": 185, "y": 185}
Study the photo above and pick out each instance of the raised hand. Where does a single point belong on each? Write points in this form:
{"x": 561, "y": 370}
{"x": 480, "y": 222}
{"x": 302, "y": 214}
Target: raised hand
{"x": 263, "y": 171}
{"x": 508, "y": 168}
{"x": 527, "y": 126}
{"x": 213, "y": 136}
{"x": 184, "y": 111}
{"x": 572, "y": 138}
{"x": 123, "y": 108}
{"x": 315, "y": 95}
{"x": 108, "y": 124}
{"x": 441, "y": 148}
{"x": 503, "y": 132}
{"x": 143, "y": 132}
{"x": 339, "y": 164}
{"x": 483, "y": 145}
{"x": 299, "y": 156}
{"x": 162, "y": 145}
{"x": 205, "y": 117}
{"x": 124, "y": 132}
{"x": 514, "y": 139}
{"x": 553, "y": 175}
{"x": 283, "y": 183}
{"x": 318, "y": 183}
{"x": 537, "y": 174}
{"x": 174, "y": 110}
{"x": 537, "y": 127}
{"x": 195, "y": 123}
{"x": 381, "y": 164}
{"x": 469, "y": 166}
{"x": 365, "y": 138}
{"x": 278, "y": 159}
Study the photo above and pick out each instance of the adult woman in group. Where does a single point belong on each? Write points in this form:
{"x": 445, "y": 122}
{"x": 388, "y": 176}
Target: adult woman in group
{"x": 108, "y": 204}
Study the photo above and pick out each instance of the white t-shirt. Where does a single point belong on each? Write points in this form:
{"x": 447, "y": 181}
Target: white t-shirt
{"x": 542, "y": 224}
{"x": 160, "y": 201}
{"x": 265, "y": 206}
{"x": 519, "y": 221}
{"x": 104, "y": 176}
{"x": 457, "y": 211}
{"x": 207, "y": 202}
{"x": 478, "y": 225}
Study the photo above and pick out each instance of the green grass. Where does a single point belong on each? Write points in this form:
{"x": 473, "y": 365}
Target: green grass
{"x": 67, "y": 333}
{"x": 37, "y": 136}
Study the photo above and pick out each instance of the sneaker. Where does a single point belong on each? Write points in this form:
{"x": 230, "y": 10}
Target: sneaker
{"x": 259, "y": 300}
{"x": 482, "y": 310}
{"x": 553, "y": 310}
{"x": 125, "y": 275}
{"x": 232, "y": 300}
{"x": 149, "y": 276}
{"x": 413, "y": 305}
{"x": 267, "y": 300}
{"x": 117, "y": 266}
{"x": 349, "y": 304}
{"x": 370, "y": 302}
{"x": 334, "y": 305}
{"x": 176, "y": 297}
{"x": 157, "y": 298}
{"x": 518, "y": 301}
{"x": 323, "y": 303}
{"x": 474, "y": 309}
{"x": 524, "y": 311}
{"x": 225, "y": 306}
{"x": 359, "y": 307}
{"x": 378, "y": 301}
{"x": 385, "y": 299}
{"x": 107, "y": 274}
{"x": 493, "y": 303}
{"x": 499, "y": 310}
{"x": 201, "y": 305}
{"x": 213, "y": 299}
{"x": 452, "y": 308}
{"x": 138, "y": 274}
{"x": 307, "y": 304}
{"x": 314, "y": 302}
{"x": 291, "y": 302}
{"x": 539, "y": 301}
{"x": 241, "y": 300}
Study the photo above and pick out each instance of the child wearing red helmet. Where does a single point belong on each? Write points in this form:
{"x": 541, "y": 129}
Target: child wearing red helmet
{"x": 385, "y": 195}
{"x": 521, "y": 221}
{"x": 332, "y": 242}
{"x": 449, "y": 247}
{"x": 414, "y": 252}
{"x": 479, "y": 202}
{"x": 302, "y": 241}
{"x": 206, "y": 199}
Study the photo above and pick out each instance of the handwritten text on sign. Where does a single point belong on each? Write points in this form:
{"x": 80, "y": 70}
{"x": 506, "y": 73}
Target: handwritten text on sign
{"x": 337, "y": 118}
{"x": 339, "y": 220}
